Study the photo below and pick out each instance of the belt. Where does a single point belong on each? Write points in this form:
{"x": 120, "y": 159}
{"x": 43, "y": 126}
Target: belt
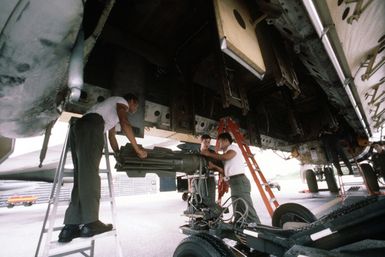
{"x": 92, "y": 114}
{"x": 235, "y": 176}
{"x": 93, "y": 117}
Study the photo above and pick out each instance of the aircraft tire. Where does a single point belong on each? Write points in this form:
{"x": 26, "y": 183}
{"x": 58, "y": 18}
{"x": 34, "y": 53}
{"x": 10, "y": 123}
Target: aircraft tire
{"x": 331, "y": 180}
{"x": 291, "y": 212}
{"x": 311, "y": 181}
{"x": 370, "y": 177}
{"x": 202, "y": 245}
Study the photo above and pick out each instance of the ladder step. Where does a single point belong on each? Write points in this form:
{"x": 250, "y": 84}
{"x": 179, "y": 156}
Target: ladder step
{"x": 79, "y": 250}
{"x": 60, "y": 228}
{"x": 60, "y": 202}
{"x": 63, "y": 202}
{"x": 80, "y": 240}
{"x": 54, "y": 229}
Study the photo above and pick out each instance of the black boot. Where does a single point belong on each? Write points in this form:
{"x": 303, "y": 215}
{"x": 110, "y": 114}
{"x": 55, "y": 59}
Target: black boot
{"x": 68, "y": 233}
{"x": 94, "y": 228}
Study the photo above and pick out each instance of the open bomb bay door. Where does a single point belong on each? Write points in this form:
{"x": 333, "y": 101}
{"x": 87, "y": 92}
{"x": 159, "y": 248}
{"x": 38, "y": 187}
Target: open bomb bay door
{"x": 237, "y": 35}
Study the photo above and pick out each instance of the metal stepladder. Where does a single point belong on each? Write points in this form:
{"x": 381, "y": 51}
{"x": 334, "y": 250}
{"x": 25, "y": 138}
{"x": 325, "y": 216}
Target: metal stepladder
{"x": 78, "y": 245}
{"x": 228, "y": 125}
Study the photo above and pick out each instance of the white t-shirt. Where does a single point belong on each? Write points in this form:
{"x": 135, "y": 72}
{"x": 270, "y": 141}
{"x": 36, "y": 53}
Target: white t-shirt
{"x": 234, "y": 166}
{"x": 107, "y": 109}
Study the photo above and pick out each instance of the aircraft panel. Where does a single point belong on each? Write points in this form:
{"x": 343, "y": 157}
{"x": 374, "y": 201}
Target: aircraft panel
{"x": 34, "y": 61}
{"x": 6, "y": 148}
{"x": 361, "y": 30}
{"x": 237, "y": 35}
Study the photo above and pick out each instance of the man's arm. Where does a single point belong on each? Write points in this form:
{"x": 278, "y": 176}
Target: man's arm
{"x": 214, "y": 167}
{"x": 222, "y": 157}
{"x": 112, "y": 139}
{"x": 127, "y": 129}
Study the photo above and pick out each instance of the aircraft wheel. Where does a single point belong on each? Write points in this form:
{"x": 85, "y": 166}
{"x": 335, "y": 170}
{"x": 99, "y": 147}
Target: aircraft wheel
{"x": 202, "y": 245}
{"x": 331, "y": 180}
{"x": 292, "y": 212}
{"x": 311, "y": 181}
{"x": 370, "y": 177}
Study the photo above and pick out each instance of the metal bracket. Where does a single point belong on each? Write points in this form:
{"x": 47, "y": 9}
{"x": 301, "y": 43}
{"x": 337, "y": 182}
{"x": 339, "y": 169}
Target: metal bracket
{"x": 348, "y": 81}
{"x": 232, "y": 94}
{"x": 358, "y": 10}
{"x": 374, "y": 98}
{"x": 325, "y": 31}
{"x": 369, "y": 63}
{"x": 157, "y": 115}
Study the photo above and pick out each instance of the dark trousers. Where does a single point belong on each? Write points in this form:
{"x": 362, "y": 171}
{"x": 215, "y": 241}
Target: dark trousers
{"x": 86, "y": 141}
{"x": 241, "y": 188}
{"x": 333, "y": 152}
{"x": 340, "y": 153}
{"x": 207, "y": 191}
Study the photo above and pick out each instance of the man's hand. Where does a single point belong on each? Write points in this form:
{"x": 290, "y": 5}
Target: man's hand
{"x": 117, "y": 155}
{"x": 205, "y": 152}
{"x": 210, "y": 166}
{"x": 142, "y": 154}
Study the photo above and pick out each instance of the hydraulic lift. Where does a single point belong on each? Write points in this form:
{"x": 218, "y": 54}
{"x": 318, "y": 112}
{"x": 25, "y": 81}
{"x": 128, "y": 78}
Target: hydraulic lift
{"x": 353, "y": 230}
{"x": 356, "y": 229}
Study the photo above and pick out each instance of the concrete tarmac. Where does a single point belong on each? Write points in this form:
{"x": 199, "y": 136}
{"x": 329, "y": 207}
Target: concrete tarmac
{"x": 148, "y": 225}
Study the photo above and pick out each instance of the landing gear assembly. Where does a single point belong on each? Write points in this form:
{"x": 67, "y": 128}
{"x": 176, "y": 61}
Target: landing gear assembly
{"x": 327, "y": 174}
{"x": 353, "y": 230}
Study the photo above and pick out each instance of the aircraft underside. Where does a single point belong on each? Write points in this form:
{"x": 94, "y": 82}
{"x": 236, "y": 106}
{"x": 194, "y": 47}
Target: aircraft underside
{"x": 264, "y": 63}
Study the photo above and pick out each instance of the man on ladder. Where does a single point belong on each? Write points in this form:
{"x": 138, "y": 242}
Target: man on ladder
{"x": 86, "y": 141}
{"x": 234, "y": 173}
